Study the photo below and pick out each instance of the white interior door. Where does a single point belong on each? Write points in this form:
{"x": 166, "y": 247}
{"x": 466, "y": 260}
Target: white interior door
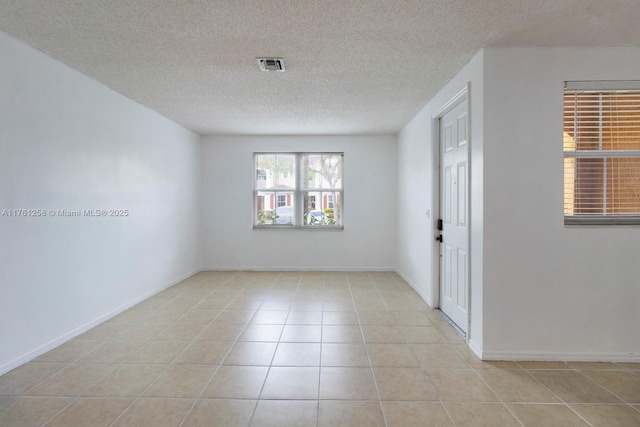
{"x": 454, "y": 212}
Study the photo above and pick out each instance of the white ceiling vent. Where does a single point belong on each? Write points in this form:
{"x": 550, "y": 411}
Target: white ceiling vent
{"x": 271, "y": 64}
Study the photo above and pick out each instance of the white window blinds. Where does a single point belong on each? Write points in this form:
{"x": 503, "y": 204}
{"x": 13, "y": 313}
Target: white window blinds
{"x": 601, "y": 153}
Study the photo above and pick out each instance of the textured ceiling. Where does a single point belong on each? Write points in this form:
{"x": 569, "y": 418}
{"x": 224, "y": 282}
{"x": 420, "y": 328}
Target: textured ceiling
{"x": 353, "y": 67}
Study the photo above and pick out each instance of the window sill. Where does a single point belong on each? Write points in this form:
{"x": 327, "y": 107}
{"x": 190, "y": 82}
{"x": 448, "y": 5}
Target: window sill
{"x": 300, "y": 227}
{"x": 600, "y": 220}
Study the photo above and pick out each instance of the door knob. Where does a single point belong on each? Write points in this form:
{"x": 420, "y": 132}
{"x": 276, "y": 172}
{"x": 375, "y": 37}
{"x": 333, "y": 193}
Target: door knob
{"x": 439, "y": 238}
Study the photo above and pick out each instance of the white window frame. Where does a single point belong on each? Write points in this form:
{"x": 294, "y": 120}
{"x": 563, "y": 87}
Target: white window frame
{"x": 573, "y": 218}
{"x": 298, "y": 194}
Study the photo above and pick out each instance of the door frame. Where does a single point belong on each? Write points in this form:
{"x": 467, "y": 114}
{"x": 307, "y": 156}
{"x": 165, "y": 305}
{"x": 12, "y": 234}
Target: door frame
{"x": 462, "y": 95}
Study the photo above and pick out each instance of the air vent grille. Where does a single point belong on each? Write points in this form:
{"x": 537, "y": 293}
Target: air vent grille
{"x": 271, "y": 64}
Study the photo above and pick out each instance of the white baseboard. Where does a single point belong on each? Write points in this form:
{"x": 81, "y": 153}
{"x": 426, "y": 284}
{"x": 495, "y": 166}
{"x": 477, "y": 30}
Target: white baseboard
{"x": 346, "y": 269}
{"x": 81, "y": 329}
{"x": 477, "y": 350}
{"x": 560, "y": 356}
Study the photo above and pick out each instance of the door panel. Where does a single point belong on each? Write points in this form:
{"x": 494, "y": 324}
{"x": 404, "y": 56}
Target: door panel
{"x": 454, "y": 210}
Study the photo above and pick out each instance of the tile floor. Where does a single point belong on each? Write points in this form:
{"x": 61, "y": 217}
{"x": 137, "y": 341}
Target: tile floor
{"x": 290, "y": 348}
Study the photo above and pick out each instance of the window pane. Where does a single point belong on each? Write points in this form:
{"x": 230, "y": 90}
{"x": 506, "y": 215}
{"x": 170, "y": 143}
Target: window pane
{"x": 313, "y": 213}
{"x": 264, "y": 171}
{"x": 283, "y": 212}
{"x": 322, "y": 171}
{"x": 274, "y": 171}
{"x": 334, "y": 208}
{"x": 285, "y": 171}
{"x": 264, "y": 207}
{"x": 623, "y": 186}
{"x": 589, "y": 194}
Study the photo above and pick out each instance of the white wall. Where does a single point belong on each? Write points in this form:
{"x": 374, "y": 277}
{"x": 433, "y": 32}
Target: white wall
{"x": 418, "y": 193}
{"x": 368, "y": 241}
{"x": 550, "y": 291}
{"x": 68, "y": 142}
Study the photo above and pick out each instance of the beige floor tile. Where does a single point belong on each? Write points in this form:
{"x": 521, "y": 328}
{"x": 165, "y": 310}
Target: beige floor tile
{"x": 103, "y": 331}
{"x": 68, "y": 352}
{"x": 291, "y": 383}
{"x": 481, "y": 415}
{"x": 344, "y": 354}
{"x": 573, "y": 387}
{"x": 126, "y": 381}
{"x": 131, "y": 316}
{"x": 416, "y": 414}
{"x": 6, "y": 400}
{"x": 349, "y": 414}
{"x": 624, "y": 384}
{"x": 347, "y": 383}
{"x": 202, "y": 317}
{"x": 460, "y": 385}
{"x": 422, "y": 334}
{"x": 235, "y": 316}
{"x": 516, "y": 386}
{"x": 91, "y": 411}
{"x": 219, "y": 331}
{"x": 269, "y": 317}
{"x": 593, "y": 366}
{"x": 31, "y": 411}
{"x": 377, "y": 318}
{"x": 21, "y": 379}
{"x": 341, "y": 334}
{"x": 71, "y": 381}
{"x": 304, "y": 317}
{"x": 141, "y": 332}
{"x": 181, "y": 381}
{"x": 414, "y": 318}
{"x": 450, "y": 335}
{"x": 237, "y": 382}
{"x": 163, "y": 316}
{"x": 250, "y": 353}
{"x": 250, "y": 304}
{"x": 159, "y": 352}
{"x": 155, "y": 413}
{"x": 540, "y": 415}
{"x": 297, "y": 354}
{"x": 214, "y": 302}
{"x": 261, "y": 333}
{"x": 370, "y": 306}
{"x": 403, "y": 384}
{"x": 392, "y": 355}
{"x": 332, "y": 318}
{"x": 382, "y": 334}
{"x": 181, "y": 332}
{"x": 609, "y": 415}
{"x": 438, "y": 356}
{"x": 302, "y": 333}
{"x": 209, "y": 413}
{"x": 631, "y": 366}
{"x": 280, "y": 413}
{"x": 204, "y": 353}
{"x": 113, "y": 352}
{"x": 543, "y": 365}
{"x": 275, "y": 305}
{"x": 336, "y": 304}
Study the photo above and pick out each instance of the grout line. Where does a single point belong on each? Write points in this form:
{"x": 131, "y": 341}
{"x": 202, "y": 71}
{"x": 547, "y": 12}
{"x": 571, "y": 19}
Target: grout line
{"x": 366, "y": 349}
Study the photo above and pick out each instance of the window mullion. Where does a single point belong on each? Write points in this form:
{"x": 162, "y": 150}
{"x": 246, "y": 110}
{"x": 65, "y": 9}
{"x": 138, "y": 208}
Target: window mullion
{"x": 298, "y": 199}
